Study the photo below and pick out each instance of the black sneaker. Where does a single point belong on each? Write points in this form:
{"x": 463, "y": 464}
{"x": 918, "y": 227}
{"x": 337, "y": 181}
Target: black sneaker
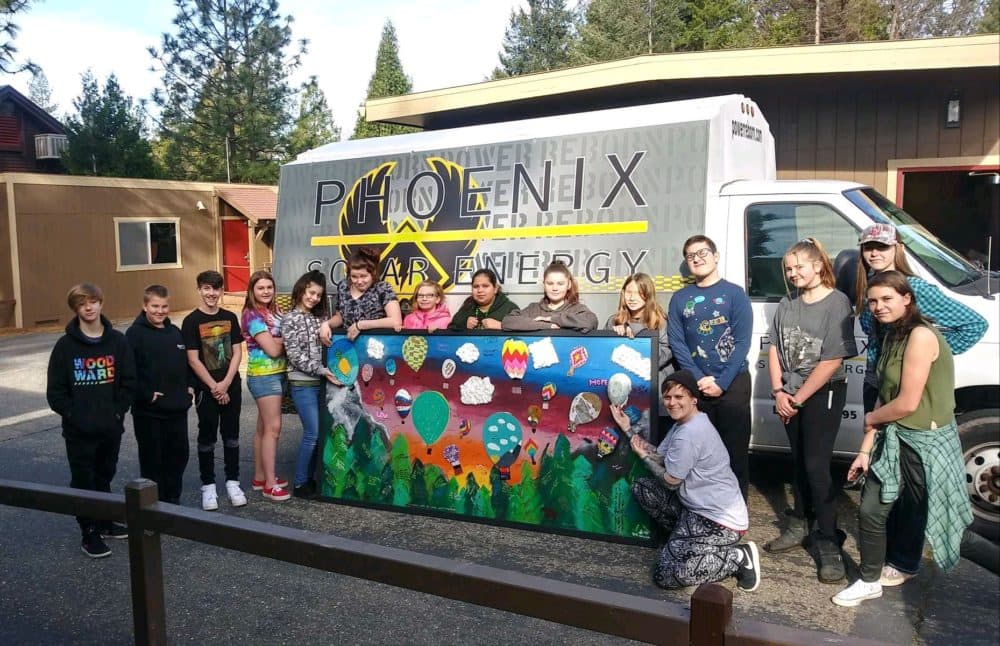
{"x": 114, "y": 530}
{"x": 748, "y": 576}
{"x": 306, "y": 491}
{"x": 94, "y": 546}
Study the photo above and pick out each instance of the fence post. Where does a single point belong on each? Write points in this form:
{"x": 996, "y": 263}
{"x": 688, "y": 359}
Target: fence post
{"x": 145, "y": 567}
{"x": 711, "y": 610}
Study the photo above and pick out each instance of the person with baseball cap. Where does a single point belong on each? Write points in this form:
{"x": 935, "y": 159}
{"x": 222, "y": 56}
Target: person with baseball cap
{"x": 882, "y": 250}
{"x": 692, "y": 494}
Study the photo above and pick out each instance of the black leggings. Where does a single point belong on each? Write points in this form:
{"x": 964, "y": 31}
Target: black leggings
{"x": 730, "y": 415}
{"x": 811, "y": 435}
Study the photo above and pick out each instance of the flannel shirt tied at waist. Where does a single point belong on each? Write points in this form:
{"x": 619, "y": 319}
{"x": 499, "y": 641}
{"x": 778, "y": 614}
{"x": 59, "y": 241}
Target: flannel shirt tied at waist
{"x": 948, "y": 510}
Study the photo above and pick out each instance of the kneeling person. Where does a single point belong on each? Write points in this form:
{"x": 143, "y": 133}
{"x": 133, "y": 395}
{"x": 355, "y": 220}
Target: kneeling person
{"x": 692, "y": 495}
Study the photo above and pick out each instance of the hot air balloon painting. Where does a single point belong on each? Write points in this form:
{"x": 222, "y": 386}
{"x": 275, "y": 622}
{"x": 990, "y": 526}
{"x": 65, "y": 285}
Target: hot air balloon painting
{"x": 531, "y": 448}
{"x": 577, "y": 357}
{"x": 548, "y": 394}
{"x": 447, "y": 371}
{"x": 534, "y": 416}
{"x": 464, "y": 428}
{"x": 514, "y": 356}
{"x": 619, "y": 388}
{"x": 415, "y": 351}
{"x": 367, "y": 371}
{"x": 607, "y": 441}
{"x": 430, "y": 416}
{"x": 403, "y": 403}
{"x": 584, "y": 408}
{"x": 451, "y": 455}
{"x": 390, "y": 369}
{"x": 502, "y": 441}
{"x": 342, "y": 361}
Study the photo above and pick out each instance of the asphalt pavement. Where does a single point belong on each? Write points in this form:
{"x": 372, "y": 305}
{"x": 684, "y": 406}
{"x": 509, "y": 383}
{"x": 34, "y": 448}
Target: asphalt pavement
{"x": 50, "y": 593}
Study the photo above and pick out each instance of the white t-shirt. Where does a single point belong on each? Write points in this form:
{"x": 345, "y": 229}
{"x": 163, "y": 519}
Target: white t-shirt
{"x": 694, "y": 453}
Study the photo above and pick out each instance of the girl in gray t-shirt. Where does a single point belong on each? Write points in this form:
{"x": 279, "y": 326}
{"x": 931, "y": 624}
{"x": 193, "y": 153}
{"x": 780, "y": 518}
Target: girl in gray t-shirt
{"x": 812, "y": 334}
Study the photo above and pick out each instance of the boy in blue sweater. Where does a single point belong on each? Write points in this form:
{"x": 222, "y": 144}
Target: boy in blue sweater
{"x": 710, "y": 326}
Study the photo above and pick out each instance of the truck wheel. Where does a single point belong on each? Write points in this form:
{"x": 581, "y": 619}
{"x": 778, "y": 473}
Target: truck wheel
{"x": 979, "y": 432}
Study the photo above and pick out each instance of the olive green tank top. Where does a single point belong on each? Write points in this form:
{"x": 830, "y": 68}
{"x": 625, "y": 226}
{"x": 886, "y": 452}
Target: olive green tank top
{"x": 937, "y": 402}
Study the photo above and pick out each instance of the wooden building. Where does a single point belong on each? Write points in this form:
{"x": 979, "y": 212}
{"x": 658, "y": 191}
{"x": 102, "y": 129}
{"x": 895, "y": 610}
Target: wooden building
{"x": 919, "y": 120}
{"x": 123, "y": 234}
{"x": 31, "y": 139}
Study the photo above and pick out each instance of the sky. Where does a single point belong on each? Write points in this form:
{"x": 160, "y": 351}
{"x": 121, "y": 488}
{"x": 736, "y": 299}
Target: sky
{"x": 442, "y": 43}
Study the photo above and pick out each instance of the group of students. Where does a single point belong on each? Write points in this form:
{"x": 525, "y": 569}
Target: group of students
{"x": 697, "y": 491}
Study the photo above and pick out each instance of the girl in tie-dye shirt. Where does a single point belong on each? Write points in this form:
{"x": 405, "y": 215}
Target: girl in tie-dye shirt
{"x": 266, "y": 367}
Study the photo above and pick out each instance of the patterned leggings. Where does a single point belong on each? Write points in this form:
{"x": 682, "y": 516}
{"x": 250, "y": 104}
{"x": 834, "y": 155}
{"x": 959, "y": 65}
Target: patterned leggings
{"x": 697, "y": 550}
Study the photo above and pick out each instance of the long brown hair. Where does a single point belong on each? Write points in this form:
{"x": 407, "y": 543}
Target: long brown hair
{"x": 652, "y": 314}
{"x": 861, "y": 279}
{"x": 811, "y": 249}
{"x": 572, "y": 292}
{"x": 898, "y": 282}
{"x": 314, "y": 277}
{"x": 250, "y": 303}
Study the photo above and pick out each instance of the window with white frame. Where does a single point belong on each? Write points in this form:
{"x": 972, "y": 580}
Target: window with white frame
{"x": 148, "y": 243}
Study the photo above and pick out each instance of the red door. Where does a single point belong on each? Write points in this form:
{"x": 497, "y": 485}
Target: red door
{"x": 235, "y": 255}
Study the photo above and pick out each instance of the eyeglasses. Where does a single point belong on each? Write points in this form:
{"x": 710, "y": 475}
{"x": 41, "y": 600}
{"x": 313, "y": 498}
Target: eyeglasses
{"x": 701, "y": 253}
{"x": 431, "y": 295}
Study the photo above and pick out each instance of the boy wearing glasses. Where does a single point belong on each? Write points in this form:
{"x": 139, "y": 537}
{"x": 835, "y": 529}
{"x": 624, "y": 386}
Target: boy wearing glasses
{"x": 710, "y": 325}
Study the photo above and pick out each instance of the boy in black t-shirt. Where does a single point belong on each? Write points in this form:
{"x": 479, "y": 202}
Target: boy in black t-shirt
{"x": 213, "y": 340}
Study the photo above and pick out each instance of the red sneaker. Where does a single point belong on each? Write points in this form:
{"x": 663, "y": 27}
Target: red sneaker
{"x": 277, "y": 492}
{"x": 258, "y": 485}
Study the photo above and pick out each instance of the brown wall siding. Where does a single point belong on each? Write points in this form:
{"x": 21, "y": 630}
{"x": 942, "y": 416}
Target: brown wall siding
{"x": 6, "y": 272}
{"x": 849, "y": 129}
{"x": 67, "y": 235}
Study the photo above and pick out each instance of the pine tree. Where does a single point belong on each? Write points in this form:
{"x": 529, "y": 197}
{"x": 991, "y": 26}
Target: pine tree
{"x": 8, "y": 32}
{"x": 616, "y": 29}
{"x": 225, "y": 96}
{"x": 715, "y": 24}
{"x": 990, "y": 23}
{"x": 40, "y": 92}
{"x": 106, "y": 134}
{"x": 587, "y": 514}
{"x": 537, "y": 40}
{"x": 402, "y": 470}
{"x": 314, "y": 125}
{"x": 525, "y": 502}
{"x": 335, "y": 465}
{"x": 389, "y": 79}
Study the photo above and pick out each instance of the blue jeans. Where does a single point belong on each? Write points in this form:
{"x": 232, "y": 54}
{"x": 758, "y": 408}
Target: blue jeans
{"x": 306, "y": 400}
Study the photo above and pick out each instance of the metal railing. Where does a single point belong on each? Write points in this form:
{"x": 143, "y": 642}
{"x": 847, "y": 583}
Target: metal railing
{"x": 708, "y": 622}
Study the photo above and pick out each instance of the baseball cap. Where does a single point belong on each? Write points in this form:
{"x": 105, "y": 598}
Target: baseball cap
{"x": 880, "y": 233}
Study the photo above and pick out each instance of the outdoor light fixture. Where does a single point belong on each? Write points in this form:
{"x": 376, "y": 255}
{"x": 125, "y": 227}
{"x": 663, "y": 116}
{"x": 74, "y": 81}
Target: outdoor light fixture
{"x": 953, "y": 111}
{"x": 201, "y": 206}
{"x": 994, "y": 176}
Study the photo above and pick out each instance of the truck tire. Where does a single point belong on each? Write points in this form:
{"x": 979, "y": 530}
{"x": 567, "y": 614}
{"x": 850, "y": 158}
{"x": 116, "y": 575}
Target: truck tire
{"x": 979, "y": 431}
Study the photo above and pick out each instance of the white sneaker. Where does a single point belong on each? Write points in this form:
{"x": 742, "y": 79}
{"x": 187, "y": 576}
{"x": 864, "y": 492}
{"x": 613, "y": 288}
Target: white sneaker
{"x": 236, "y": 496}
{"x": 891, "y": 577}
{"x": 857, "y": 592}
{"x": 209, "y": 498}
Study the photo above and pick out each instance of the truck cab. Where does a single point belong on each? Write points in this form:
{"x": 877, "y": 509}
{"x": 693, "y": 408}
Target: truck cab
{"x": 759, "y": 220}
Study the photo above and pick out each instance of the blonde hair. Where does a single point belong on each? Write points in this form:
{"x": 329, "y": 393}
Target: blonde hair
{"x": 83, "y": 292}
{"x": 652, "y": 314}
{"x": 812, "y": 250}
{"x": 438, "y": 290}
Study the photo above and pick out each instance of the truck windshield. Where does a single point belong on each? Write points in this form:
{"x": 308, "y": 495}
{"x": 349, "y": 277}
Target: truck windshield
{"x": 949, "y": 267}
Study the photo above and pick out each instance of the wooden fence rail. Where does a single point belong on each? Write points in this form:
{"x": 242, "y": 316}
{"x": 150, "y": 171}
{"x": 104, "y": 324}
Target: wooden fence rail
{"x": 708, "y": 623}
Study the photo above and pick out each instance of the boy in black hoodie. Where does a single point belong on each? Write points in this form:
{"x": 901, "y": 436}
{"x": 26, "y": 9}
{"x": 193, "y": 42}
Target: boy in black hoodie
{"x": 91, "y": 382}
{"x": 163, "y": 395}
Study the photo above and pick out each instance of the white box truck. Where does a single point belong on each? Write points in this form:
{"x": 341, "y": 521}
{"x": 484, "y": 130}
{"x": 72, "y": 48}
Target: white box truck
{"x": 612, "y": 193}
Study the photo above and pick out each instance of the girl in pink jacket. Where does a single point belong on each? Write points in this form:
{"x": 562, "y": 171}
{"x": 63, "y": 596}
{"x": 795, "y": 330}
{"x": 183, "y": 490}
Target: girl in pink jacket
{"x": 430, "y": 312}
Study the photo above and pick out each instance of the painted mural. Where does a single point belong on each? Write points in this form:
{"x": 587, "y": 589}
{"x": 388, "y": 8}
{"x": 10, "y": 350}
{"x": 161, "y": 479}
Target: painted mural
{"x": 491, "y": 427}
